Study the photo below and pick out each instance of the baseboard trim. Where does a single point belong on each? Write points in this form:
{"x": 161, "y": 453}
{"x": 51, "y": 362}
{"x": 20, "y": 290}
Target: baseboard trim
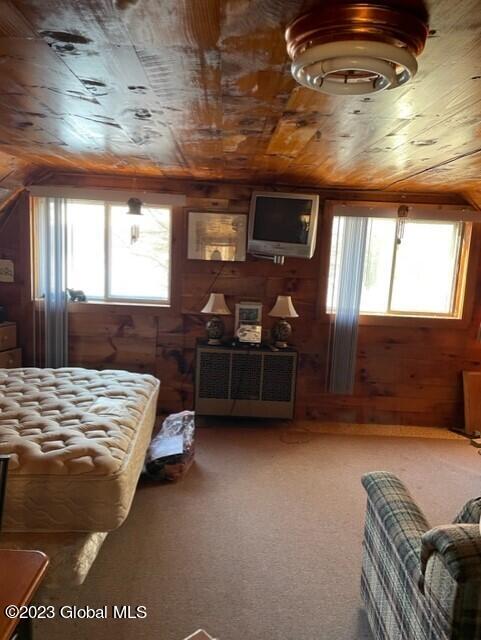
{"x": 383, "y": 430}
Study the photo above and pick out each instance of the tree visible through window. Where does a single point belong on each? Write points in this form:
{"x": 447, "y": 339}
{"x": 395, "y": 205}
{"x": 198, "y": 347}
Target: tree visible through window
{"x": 116, "y": 256}
{"x": 412, "y": 267}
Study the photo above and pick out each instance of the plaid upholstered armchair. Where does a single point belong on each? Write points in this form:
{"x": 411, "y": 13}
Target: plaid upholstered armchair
{"x": 418, "y": 582}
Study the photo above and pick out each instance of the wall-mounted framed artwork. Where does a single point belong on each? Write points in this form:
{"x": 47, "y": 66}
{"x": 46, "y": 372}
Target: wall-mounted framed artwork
{"x": 217, "y": 236}
{"x": 7, "y": 271}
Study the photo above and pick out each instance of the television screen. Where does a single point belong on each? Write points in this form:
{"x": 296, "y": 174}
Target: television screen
{"x": 282, "y": 219}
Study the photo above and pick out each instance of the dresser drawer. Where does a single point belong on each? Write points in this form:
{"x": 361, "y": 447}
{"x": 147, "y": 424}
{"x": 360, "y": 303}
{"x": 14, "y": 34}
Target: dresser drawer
{"x": 8, "y": 336}
{"x": 11, "y": 359}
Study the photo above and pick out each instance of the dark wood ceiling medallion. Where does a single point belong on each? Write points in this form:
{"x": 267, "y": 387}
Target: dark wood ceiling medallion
{"x": 356, "y": 48}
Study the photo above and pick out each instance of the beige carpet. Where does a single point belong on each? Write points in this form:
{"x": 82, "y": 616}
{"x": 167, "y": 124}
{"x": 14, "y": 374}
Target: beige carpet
{"x": 262, "y": 540}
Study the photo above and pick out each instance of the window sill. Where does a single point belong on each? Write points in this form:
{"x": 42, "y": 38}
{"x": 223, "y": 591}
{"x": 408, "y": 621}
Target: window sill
{"x": 79, "y": 306}
{"x": 432, "y": 322}
{"x": 120, "y": 303}
{"x": 82, "y": 306}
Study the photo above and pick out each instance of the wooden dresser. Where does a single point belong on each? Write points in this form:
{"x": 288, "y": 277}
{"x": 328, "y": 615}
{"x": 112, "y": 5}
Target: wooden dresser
{"x": 10, "y": 354}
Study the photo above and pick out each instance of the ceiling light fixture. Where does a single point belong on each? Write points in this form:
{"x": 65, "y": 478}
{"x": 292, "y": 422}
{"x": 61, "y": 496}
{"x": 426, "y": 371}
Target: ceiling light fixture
{"x": 356, "y": 48}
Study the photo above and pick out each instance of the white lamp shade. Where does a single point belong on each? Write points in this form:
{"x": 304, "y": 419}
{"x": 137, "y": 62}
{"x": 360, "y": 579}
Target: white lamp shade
{"x": 283, "y": 308}
{"x": 216, "y": 305}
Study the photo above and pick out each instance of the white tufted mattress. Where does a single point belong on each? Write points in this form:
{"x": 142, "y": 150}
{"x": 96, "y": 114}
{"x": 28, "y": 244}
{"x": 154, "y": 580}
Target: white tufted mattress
{"x": 77, "y": 440}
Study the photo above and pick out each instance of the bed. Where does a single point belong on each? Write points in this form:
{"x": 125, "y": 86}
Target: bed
{"x": 77, "y": 440}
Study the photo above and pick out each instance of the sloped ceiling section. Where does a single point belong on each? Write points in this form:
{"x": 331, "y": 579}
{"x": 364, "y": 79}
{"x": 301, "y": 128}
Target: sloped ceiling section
{"x": 14, "y": 174}
{"x": 202, "y": 89}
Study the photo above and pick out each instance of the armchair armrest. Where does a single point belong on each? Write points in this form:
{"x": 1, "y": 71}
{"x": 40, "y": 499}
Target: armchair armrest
{"x": 470, "y": 513}
{"x": 402, "y": 520}
{"x": 459, "y": 547}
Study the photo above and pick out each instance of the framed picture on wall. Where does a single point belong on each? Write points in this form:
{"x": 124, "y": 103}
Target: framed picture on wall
{"x": 6, "y": 271}
{"x": 217, "y": 236}
{"x": 247, "y": 313}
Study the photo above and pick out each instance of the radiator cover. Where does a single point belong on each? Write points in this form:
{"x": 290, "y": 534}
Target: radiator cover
{"x": 255, "y": 382}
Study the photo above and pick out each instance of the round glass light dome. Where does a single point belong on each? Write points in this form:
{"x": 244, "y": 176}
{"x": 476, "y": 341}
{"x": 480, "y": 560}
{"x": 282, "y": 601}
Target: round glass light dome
{"x": 357, "y": 47}
{"x": 354, "y": 67}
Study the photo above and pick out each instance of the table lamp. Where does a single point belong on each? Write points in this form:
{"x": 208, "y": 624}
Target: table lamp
{"x": 216, "y": 306}
{"x": 282, "y": 330}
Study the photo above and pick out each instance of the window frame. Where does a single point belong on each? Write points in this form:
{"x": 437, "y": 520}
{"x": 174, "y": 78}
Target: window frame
{"x": 467, "y": 265}
{"x": 108, "y": 299}
{"x": 456, "y": 303}
{"x": 160, "y": 302}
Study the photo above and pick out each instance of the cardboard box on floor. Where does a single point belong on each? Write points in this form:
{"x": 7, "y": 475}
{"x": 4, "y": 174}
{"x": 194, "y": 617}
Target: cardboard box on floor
{"x": 200, "y": 635}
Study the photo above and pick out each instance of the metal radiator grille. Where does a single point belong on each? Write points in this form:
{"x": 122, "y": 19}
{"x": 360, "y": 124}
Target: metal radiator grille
{"x": 277, "y": 382}
{"x": 246, "y": 376}
{"x": 214, "y": 375}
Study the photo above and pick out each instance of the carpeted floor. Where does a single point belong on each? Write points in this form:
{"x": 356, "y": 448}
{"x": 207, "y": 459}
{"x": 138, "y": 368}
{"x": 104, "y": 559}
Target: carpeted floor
{"x": 262, "y": 540}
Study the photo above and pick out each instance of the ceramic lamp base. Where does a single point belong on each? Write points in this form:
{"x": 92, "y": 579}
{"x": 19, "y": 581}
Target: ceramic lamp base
{"x": 215, "y": 330}
{"x": 281, "y": 333}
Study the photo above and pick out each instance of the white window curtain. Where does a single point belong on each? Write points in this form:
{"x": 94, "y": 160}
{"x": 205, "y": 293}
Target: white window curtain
{"x": 347, "y": 254}
{"x": 51, "y": 317}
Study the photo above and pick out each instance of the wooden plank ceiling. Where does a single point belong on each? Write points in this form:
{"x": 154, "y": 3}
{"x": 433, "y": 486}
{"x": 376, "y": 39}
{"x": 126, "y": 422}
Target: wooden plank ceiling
{"x": 202, "y": 89}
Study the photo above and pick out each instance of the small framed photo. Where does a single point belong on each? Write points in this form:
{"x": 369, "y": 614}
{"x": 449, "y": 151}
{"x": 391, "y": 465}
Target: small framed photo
{"x": 248, "y": 313}
{"x": 217, "y": 236}
{"x": 250, "y": 333}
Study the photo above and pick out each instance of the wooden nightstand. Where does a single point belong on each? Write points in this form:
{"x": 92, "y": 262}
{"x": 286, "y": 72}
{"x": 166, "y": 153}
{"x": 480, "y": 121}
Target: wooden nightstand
{"x": 22, "y": 573}
{"x": 10, "y": 355}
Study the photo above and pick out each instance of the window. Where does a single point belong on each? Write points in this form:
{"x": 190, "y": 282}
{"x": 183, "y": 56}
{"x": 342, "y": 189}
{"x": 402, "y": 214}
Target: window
{"x": 117, "y": 257}
{"x": 411, "y": 267}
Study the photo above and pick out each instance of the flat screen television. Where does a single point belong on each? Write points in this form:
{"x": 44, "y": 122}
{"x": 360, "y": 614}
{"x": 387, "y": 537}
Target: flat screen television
{"x": 283, "y": 224}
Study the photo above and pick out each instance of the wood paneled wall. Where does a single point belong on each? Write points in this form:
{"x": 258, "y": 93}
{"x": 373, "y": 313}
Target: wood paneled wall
{"x": 405, "y": 375}
{"x": 15, "y": 245}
